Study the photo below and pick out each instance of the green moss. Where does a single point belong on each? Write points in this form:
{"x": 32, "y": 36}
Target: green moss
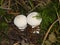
{"x": 2, "y": 12}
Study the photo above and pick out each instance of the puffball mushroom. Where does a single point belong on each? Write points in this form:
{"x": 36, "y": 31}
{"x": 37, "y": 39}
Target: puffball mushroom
{"x": 21, "y": 22}
{"x": 32, "y": 20}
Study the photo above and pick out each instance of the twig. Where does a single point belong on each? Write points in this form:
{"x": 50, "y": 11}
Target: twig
{"x": 16, "y": 5}
{"x": 26, "y": 8}
{"x": 25, "y": 5}
{"x": 34, "y": 8}
{"x": 6, "y": 20}
{"x": 5, "y": 35}
{"x": 9, "y": 4}
{"x": 5, "y": 8}
{"x": 40, "y": 4}
{"x": 14, "y": 13}
{"x": 4, "y": 5}
{"x": 58, "y": 17}
{"x": 30, "y": 1}
{"x": 49, "y": 31}
{"x": 57, "y": 14}
{"x": 1, "y": 2}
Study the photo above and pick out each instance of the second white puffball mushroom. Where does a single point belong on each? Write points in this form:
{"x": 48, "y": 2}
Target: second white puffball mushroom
{"x": 21, "y": 22}
{"x": 32, "y": 20}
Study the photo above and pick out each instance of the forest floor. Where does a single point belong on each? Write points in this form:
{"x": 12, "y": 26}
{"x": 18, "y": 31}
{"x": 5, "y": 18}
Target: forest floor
{"x": 49, "y": 11}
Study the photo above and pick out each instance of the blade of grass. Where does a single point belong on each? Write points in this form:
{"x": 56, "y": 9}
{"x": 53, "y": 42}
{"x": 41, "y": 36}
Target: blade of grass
{"x": 1, "y": 2}
{"x": 9, "y": 4}
{"x": 31, "y": 3}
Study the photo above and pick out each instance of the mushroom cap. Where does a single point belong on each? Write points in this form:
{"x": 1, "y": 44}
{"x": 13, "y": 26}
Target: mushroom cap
{"x": 32, "y": 20}
{"x": 20, "y": 21}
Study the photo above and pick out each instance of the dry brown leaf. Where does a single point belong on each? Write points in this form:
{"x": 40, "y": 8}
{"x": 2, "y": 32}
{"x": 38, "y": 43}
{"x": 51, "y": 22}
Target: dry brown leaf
{"x": 52, "y": 37}
{"x": 47, "y": 42}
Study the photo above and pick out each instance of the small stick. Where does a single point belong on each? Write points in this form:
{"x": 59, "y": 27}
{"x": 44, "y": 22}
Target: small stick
{"x": 9, "y": 3}
{"x": 49, "y": 31}
{"x": 40, "y": 4}
{"x": 1, "y": 2}
{"x": 5, "y": 8}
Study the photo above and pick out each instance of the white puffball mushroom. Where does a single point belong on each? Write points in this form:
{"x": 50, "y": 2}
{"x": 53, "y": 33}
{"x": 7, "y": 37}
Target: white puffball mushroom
{"x": 32, "y": 20}
{"x": 21, "y": 22}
